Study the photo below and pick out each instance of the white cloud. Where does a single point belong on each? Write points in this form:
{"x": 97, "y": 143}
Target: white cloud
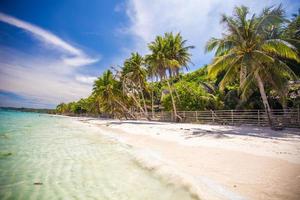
{"x": 76, "y": 57}
{"x": 79, "y": 61}
{"x": 46, "y": 78}
{"x": 43, "y": 85}
{"x": 86, "y": 79}
{"x": 197, "y": 20}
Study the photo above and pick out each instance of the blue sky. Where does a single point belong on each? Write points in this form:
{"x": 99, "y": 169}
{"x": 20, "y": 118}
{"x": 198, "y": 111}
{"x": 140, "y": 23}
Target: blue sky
{"x": 52, "y": 50}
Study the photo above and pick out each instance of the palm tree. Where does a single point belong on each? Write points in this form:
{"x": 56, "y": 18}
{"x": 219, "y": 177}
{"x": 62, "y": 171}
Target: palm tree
{"x": 61, "y": 108}
{"x": 246, "y": 49}
{"x": 169, "y": 54}
{"x": 151, "y": 74}
{"x": 109, "y": 94}
{"x": 133, "y": 76}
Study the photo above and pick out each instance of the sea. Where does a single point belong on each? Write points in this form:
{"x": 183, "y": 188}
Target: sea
{"x": 53, "y": 157}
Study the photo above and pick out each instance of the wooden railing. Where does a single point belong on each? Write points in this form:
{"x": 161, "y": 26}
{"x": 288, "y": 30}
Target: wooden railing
{"x": 289, "y": 118}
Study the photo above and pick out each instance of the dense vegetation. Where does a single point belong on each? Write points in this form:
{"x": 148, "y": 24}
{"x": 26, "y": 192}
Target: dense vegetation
{"x": 256, "y": 66}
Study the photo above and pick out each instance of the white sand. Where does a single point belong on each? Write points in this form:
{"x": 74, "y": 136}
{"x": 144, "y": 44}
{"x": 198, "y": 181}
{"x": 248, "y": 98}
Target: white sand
{"x": 217, "y": 162}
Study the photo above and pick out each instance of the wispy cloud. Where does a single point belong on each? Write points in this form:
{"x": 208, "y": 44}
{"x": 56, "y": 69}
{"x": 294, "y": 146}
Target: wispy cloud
{"x": 76, "y": 57}
{"x": 197, "y": 20}
{"x": 10, "y": 99}
{"x": 86, "y": 79}
{"x": 53, "y": 83}
{"x": 47, "y": 77}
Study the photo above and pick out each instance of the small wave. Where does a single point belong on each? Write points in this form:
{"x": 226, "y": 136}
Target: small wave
{"x": 154, "y": 163}
{"x": 11, "y": 185}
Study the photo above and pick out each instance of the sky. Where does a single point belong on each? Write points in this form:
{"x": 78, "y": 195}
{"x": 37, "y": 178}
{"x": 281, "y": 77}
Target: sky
{"x": 51, "y": 51}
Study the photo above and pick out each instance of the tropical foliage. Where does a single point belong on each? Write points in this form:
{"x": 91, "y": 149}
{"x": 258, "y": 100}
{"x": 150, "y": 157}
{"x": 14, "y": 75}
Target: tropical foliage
{"x": 256, "y": 66}
{"x": 169, "y": 54}
{"x": 251, "y": 50}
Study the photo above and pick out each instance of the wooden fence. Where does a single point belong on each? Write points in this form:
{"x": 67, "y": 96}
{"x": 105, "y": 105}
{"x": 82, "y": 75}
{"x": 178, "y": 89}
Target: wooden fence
{"x": 290, "y": 118}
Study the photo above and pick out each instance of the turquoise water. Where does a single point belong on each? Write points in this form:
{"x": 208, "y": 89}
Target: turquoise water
{"x": 51, "y": 157}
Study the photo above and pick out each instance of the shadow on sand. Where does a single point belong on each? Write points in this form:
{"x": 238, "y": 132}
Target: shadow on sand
{"x": 137, "y": 123}
{"x": 220, "y": 132}
{"x": 259, "y": 132}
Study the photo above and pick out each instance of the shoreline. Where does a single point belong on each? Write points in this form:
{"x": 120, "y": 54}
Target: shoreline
{"x": 215, "y": 162}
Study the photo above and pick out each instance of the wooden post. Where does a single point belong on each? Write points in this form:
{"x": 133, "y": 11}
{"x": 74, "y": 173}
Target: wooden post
{"x": 231, "y": 117}
{"x": 298, "y": 114}
{"x": 258, "y": 117}
{"x": 212, "y": 116}
{"x": 196, "y": 116}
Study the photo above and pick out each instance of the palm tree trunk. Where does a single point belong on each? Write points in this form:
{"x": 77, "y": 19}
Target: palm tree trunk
{"x": 243, "y": 74}
{"x": 124, "y": 108}
{"x": 98, "y": 107}
{"x": 138, "y": 103}
{"x": 145, "y": 106}
{"x": 284, "y": 105}
{"x": 177, "y": 117}
{"x": 283, "y": 97}
{"x": 177, "y": 95}
{"x": 285, "y": 109}
{"x": 140, "y": 106}
{"x": 152, "y": 101}
{"x": 264, "y": 98}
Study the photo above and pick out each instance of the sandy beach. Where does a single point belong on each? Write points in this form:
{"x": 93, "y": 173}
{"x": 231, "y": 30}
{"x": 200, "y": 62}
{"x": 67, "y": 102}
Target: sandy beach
{"x": 215, "y": 162}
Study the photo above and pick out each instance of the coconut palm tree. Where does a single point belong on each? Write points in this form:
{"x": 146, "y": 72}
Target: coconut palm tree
{"x": 133, "y": 76}
{"x": 246, "y": 49}
{"x": 61, "y": 108}
{"x": 150, "y": 75}
{"x": 169, "y": 54}
{"x": 109, "y": 94}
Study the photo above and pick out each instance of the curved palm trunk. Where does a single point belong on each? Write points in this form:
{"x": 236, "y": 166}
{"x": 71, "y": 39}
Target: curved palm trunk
{"x": 145, "y": 106}
{"x": 177, "y": 117}
{"x": 264, "y": 98}
{"x": 177, "y": 95}
{"x": 140, "y": 106}
{"x": 124, "y": 108}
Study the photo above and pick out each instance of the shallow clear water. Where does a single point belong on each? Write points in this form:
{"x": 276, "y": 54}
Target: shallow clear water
{"x": 49, "y": 157}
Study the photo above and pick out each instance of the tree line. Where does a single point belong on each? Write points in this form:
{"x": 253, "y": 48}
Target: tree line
{"x": 255, "y": 66}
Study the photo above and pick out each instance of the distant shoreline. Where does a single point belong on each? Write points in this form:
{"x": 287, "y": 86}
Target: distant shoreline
{"x": 34, "y": 110}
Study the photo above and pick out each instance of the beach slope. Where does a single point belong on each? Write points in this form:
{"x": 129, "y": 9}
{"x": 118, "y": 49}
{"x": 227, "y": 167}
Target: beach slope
{"x": 216, "y": 162}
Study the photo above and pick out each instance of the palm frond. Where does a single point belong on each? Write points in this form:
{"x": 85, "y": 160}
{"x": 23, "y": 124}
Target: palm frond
{"x": 268, "y": 17}
{"x": 280, "y": 48}
{"x": 228, "y": 77}
{"x": 248, "y": 87}
{"x": 222, "y": 62}
{"x": 262, "y": 57}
